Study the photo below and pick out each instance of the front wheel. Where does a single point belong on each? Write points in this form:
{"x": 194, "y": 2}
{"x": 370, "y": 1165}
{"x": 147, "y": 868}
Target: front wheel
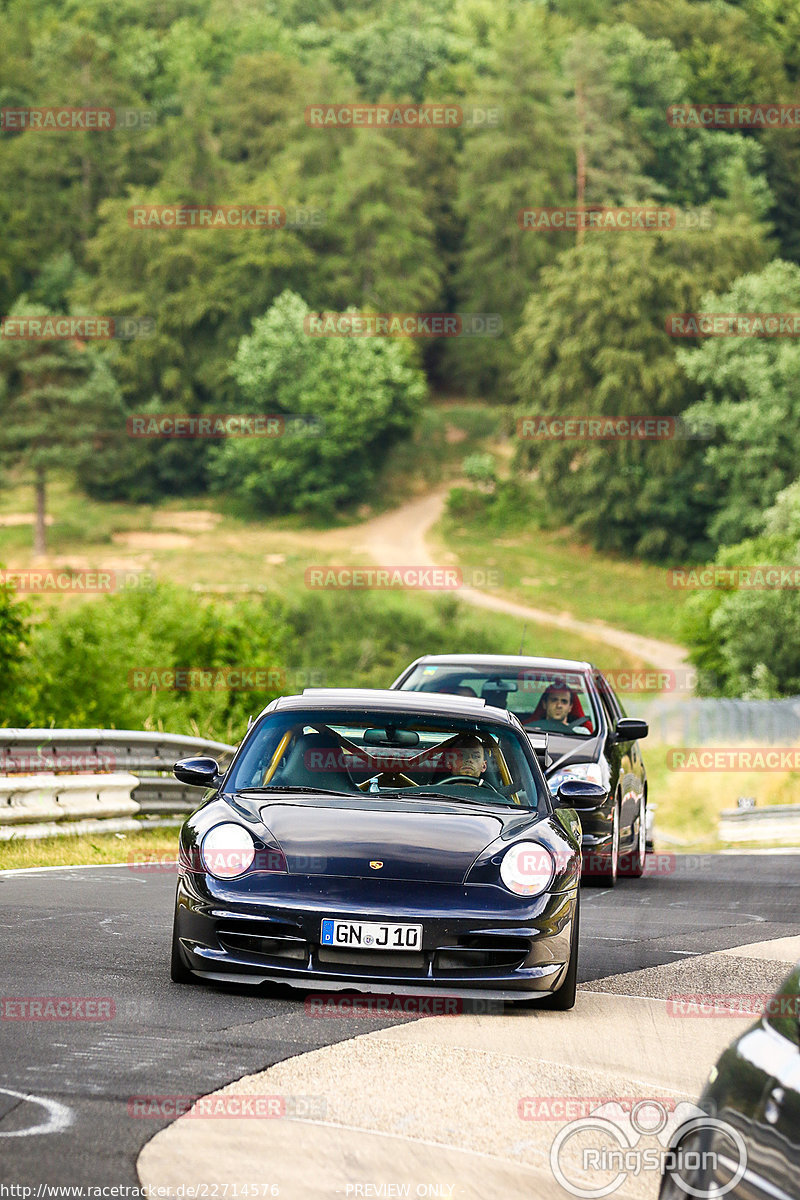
{"x": 563, "y": 998}
{"x": 632, "y": 864}
{"x": 607, "y": 877}
{"x": 178, "y": 971}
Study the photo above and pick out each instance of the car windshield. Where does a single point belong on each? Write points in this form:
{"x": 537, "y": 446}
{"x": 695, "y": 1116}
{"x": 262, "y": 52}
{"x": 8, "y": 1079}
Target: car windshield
{"x": 544, "y": 699}
{"x": 412, "y": 756}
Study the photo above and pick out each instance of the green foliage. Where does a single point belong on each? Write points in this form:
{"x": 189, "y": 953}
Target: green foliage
{"x": 511, "y": 504}
{"x": 480, "y": 468}
{"x": 107, "y": 663}
{"x": 593, "y": 341}
{"x": 60, "y": 403}
{"x": 364, "y": 392}
{"x": 90, "y": 664}
{"x": 14, "y": 636}
{"x": 751, "y": 394}
{"x": 745, "y": 641}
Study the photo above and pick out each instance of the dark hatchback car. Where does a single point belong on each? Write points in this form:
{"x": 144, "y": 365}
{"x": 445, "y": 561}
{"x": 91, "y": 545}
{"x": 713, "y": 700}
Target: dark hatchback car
{"x": 378, "y": 841}
{"x": 580, "y": 731}
{"x": 749, "y": 1147}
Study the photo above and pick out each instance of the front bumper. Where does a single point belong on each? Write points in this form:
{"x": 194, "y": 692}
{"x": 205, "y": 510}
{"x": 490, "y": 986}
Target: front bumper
{"x": 475, "y": 938}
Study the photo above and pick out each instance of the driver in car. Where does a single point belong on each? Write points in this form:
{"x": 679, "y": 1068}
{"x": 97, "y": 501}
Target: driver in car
{"x": 557, "y": 704}
{"x": 468, "y": 758}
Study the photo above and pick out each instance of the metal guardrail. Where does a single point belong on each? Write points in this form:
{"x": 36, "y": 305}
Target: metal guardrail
{"x": 709, "y": 721}
{"x": 771, "y": 823}
{"x": 148, "y": 756}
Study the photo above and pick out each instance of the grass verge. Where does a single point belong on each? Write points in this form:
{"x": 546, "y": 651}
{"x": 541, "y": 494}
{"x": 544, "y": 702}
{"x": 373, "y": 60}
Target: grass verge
{"x": 90, "y": 850}
{"x": 689, "y": 803}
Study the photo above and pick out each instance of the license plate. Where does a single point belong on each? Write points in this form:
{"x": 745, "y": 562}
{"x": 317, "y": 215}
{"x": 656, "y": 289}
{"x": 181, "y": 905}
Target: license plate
{"x": 369, "y": 935}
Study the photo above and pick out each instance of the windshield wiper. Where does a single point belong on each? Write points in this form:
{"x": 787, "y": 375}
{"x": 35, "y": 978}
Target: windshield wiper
{"x": 268, "y": 787}
{"x": 400, "y": 792}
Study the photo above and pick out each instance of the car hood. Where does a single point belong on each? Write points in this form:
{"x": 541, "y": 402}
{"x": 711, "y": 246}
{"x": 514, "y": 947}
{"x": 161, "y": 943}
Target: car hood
{"x": 425, "y": 842}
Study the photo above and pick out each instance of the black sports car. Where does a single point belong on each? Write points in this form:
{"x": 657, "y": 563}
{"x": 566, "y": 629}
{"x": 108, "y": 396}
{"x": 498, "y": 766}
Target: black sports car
{"x": 378, "y": 841}
{"x": 749, "y": 1148}
{"x": 580, "y": 731}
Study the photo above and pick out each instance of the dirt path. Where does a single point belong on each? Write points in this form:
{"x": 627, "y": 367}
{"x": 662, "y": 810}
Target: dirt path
{"x": 399, "y": 538}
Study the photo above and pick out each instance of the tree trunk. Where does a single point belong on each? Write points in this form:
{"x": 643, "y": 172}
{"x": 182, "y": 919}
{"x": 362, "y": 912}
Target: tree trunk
{"x": 581, "y": 155}
{"x": 40, "y": 531}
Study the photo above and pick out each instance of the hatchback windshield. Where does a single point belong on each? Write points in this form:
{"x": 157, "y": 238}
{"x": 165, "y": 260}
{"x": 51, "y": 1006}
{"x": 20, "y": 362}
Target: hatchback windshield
{"x": 544, "y": 699}
{"x": 412, "y": 756}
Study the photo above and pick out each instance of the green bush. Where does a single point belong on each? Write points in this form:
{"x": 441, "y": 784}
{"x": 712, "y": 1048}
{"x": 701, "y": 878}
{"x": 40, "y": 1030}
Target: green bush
{"x": 106, "y": 663}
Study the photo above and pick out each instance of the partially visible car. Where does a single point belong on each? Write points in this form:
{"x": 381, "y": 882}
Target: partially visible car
{"x": 382, "y": 841}
{"x": 579, "y": 728}
{"x": 748, "y": 1148}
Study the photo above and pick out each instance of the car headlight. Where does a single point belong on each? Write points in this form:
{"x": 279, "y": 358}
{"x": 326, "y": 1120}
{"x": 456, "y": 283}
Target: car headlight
{"x": 590, "y": 771}
{"x": 528, "y": 868}
{"x": 227, "y": 851}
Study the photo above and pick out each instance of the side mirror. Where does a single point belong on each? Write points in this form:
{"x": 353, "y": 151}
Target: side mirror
{"x": 630, "y": 729}
{"x": 200, "y": 772}
{"x": 581, "y": 795}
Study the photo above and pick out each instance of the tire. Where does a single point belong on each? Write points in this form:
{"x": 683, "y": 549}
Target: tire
{"x": 608, "y": 878}
{"x": 178, "y": 971}
{"x": 632, "y": 864}
{"x": 563, "y": 998}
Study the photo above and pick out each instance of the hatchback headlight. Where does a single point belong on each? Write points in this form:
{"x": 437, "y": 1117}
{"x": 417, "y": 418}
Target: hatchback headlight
{"x": 592, "y": 772}
{"x": 227, "y": 851}
{"x": 528, "y": 868}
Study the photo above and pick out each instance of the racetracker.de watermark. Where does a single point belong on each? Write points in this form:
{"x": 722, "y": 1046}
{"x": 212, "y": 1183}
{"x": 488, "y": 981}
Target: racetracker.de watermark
{"x": 224, "y": 216}
{"x": 631, "y": 428}
{"x": 57, "y": 1008}
{"x": 228, "y": 1107}
{"x": 223, "y": 679}
{"x": 569, "y": 1108}
{"x": 51, "y": 328}
{"x": 64, "y": 119}
{"x": 359, "y": 1006}
{"x": 711, "y": 324}
{"x": 206, "y": 216}
{"x": 397, "y": 578}
{"x": 629, "y": 681}
{"x": 733, "y": 758}
{"x": 403, "y": 116}
{"x": 56, "y": 762}
{"x": 732, "y": 1004}
{"x": 759, "y": 578}
{"x": 43, "y": 580}
{"x": 397, "y": 324}
{"x": 627, "y": 219}
{"x": 734, "y": 116}
{"x": 222, "y": 425}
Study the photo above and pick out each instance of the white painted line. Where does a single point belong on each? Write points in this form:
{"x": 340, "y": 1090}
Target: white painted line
{"x": 59, "y": 1116}
{"x": 76, "y": 867}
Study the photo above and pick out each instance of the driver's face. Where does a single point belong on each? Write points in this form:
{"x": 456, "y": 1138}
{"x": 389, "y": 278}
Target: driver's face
{"x": 558, "y": 706}
{"x": 471, "y": 760}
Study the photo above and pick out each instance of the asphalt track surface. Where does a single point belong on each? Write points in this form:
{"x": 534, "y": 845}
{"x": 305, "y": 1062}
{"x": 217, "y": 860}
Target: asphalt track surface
{"x": 104, "y": 933}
